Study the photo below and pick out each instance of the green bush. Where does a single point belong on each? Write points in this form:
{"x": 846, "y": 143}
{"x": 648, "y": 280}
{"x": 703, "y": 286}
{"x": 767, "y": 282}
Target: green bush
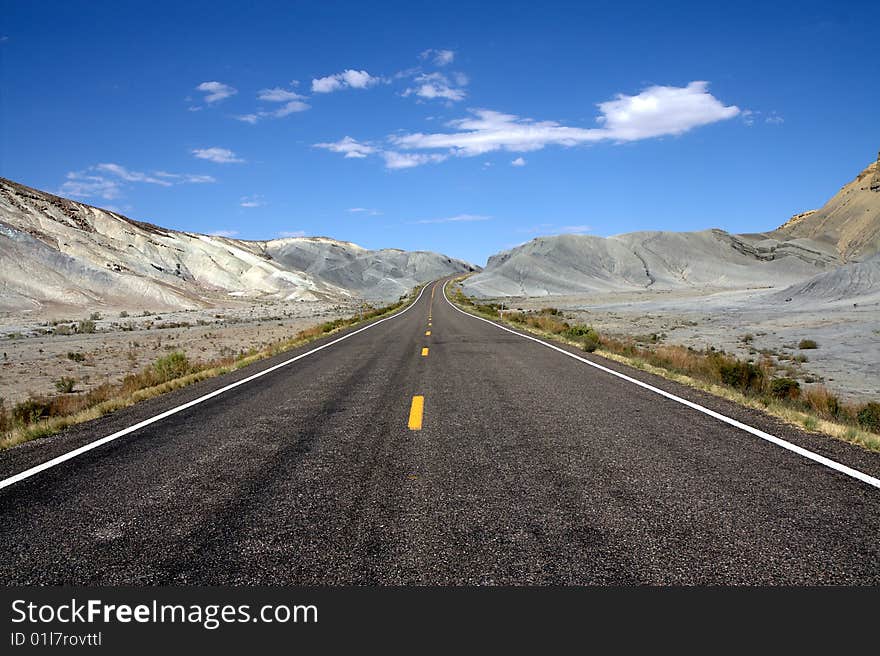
{"x": 27, "y": 412}
{"x": 85, "y": 326}
{"x": 808, "y": 344}
{"x": 869, "y": 417}
{"x": 590, "y": 341}
{"x": 76, "y": 357}
{"x": 63, "y": 329}
{"x": 785, "y": 388}
{"x": 65, "y": 384}
{"x": 171, "y": 366}
{"x": 744, "y": 376}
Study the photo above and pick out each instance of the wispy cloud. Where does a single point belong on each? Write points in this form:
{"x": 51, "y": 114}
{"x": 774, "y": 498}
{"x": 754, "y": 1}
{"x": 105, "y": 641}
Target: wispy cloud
{"x": 351, "y": 148}
{"x": 224, "y": 233}
{"x": 290, "y": 103}
{"x": 438, "y": 57}
{"x": 347, "y": 79}
{"x": 364, "y": 210}
{"x": 217, "y": 155}
{"x": 654, "y": 112}
{"x": 431, "y": 86}
{"x": 216, "y": 91}
{"x": 107, "y": 180}
{"x": 252, "y": 201}
{"x": 519, "y": 161}
{"x": 458, "y": 218}
{"x": 292, "y": 233}
{"x": 396, "y": 160}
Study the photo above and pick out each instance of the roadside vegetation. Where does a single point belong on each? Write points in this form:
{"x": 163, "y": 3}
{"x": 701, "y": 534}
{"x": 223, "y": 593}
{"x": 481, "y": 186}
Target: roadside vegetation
{"x": 43, "y": 415}
{"x": 755, "y": 383}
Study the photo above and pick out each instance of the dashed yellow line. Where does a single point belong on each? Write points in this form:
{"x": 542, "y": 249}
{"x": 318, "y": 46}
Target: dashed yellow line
{"x": 425, "y": 352}
{"x": 415, "y": 412}
{"x": 427, "y": 333}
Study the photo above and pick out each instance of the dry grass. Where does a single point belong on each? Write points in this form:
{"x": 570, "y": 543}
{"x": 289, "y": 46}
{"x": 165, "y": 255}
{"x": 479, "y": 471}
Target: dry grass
{"x": 753, "y": 384}
{"x": 40, "y": 416}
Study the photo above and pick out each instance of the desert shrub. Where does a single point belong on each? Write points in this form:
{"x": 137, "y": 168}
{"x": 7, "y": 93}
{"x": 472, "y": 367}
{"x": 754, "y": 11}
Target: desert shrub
{"x": 76, "y": 357}
{"x": 63, "y": 329}
{"x": 822, "y": 401}
{"x": 30, "y": 410}
{"x": 65, "y": 384}
{"x": 86, "y": 326}
{"x": 785, "y": 388}
{"x": 869, "y": 417}
{"x": 578, "y": 330}
{"x": 551, "y": 310}
{"x": 590, "y": 341}
{"x": 95, "y": 316}
{"x": 808, "y": 344}
{"x": 744, "y": 376}
{"x": 173, "y": 365}
{"x": 747, "y": 338}
{"x": 123, "y": 314}
{"x": 4, "y": 416}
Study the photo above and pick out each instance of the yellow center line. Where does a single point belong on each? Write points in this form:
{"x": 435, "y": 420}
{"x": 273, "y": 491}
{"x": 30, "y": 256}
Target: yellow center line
{"x": 415, "y": 412}
{"x": 425, "y": 352}
{"x": 427, "y": 333}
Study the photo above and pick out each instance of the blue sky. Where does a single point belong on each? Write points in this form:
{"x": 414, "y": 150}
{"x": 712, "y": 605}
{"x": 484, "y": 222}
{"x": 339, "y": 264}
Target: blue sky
{"x": 440, "y": 126}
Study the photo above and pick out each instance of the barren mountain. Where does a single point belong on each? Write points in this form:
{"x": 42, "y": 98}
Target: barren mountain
{"x": 855, "y": 282}
{"x": 846, "y": 229}
{"x": 59, "y": 253}
{"x": 572, "y": 264}
{"x": 850, "y": 220}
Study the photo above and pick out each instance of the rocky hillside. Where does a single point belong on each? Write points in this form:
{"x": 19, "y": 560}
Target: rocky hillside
{"x": 846, "y": 229}
{"x": 575, "y": 264}
{"x": 850, "y": 220}
{"x": 57, "y": 254}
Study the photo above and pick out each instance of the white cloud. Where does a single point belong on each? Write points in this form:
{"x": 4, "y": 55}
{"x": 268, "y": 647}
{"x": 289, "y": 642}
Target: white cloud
{"x": 159, "y": 178}
{"x": 437, "y": 85}
{"x": 252, "y": 201}
{"x": 364, "y": 210}
{"x": 277, "y": 94}
{"x": 216, "y": 91}
{"x": 659, "y": 111}
{"x": 217, "y": 155}
{"x": 457, "y": 219}
{"x": 438, "y": 57}
{"x": 774, "y": 119}
{"x": 224, "y": 233}
{"x": 396, "y": 160}
{"x": 81, "y": 185}
{"x": 656, "y": 111}
{"x": 247, "y": 118}
{"x": 576, "y": 229}
{"x": 519, "y": 161}
{"x": 292, "y": 233}
{"x": 348, "y": 78}
{"x": 106, "y": 181}
{"x": 350, "y": 147}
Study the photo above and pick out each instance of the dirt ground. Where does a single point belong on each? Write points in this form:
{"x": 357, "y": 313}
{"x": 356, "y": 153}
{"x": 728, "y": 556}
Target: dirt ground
{"x": 31, "y": 361}
{"x": 847, "y": 359}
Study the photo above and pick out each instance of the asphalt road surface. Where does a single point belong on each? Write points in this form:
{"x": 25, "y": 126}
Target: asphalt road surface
{"x": 485, "y": 459}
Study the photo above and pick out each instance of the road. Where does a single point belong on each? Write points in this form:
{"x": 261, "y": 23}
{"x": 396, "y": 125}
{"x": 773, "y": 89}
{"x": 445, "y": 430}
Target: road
{"x": 522, "y": 466}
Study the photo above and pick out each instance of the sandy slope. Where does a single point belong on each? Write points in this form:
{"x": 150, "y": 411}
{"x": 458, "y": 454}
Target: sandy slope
{"x": 60, "y": 255}
{"x": 850, "y": 220}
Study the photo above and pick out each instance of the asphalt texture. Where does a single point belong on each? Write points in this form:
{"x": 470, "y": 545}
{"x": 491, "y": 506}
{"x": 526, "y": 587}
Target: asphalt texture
{"x": 530, "y": 468}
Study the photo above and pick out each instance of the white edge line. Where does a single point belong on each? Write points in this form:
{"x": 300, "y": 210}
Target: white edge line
{"x": 27, "y": 473}
{"x": 815, "y": 457}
